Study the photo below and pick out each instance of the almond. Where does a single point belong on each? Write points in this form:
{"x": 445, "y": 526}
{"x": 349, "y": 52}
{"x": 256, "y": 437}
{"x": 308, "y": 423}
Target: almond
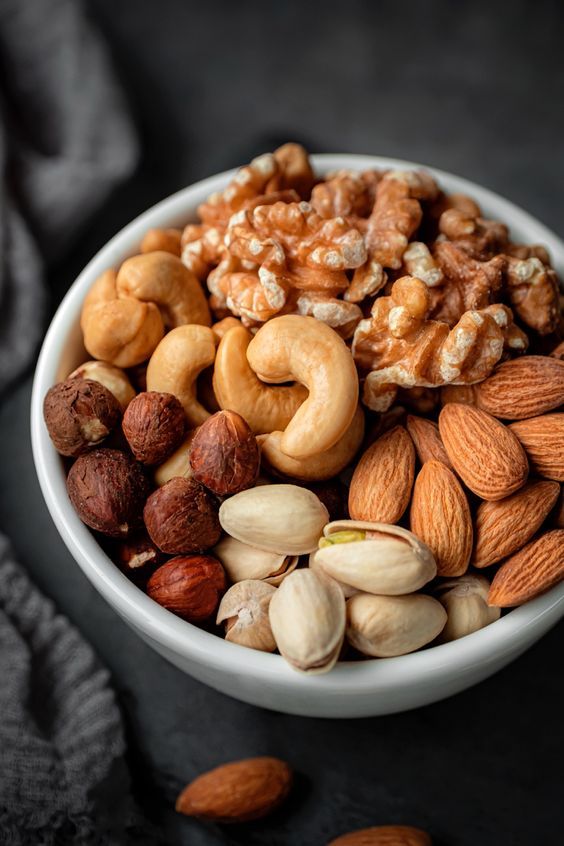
{"x": 534, "y": 569}
{"x": 557, "y": 517}
{"x": 384, "y": 835}
{"x": 502, "y": 528}
{"x": 466, "y": 394}
{"x": 440, "y": 516}
{"x": 486, "y": 454}
{"x": 523, "y": 387}
{"x": 237, "y": 792}
{"x": 382, "y": 481}
{"x": 543, "y": 439}
{"x": 425, "y": 435}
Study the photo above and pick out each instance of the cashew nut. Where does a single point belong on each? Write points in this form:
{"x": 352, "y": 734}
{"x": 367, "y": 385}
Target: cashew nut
{"x": 222, "y": 327}
{"x": 238, "y": 388}
{"x": 177, "y": 464}
{"x": 122, "y": 331}
{"x": 325, "y": 464}
{"x": 161, "y": 239}
{"x": 161, "y": 278}
{"x": 298, "y": 348}
{"x": 176, "y": 363}
{"x": 112, "y": 378}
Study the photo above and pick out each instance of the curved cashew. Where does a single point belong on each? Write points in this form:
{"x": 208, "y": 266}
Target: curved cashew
{"x": 161, "y": 239}
{"x": 112, "y": 378}
{"x": 222, "y": 327}
{"x": 176, "y": 363}
{"x": 160, "y": 277}
{"x": 318, "y": 467}
{"x": 238, "y": 388}
{"x": 122, "y": 331}
{"x": 177, "y": 464}
{"x": 303, "y": 349}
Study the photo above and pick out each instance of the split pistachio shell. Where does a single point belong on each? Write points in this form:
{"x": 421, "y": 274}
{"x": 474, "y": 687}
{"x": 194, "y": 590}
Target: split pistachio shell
{"x": 348, "y": 591}
{"x": 307, "y": 615}
{"x": 466, "y": 602}
{"x": 386, "y": 626}
{"x": 375, "y": 558}
{"x": 279, "y": 518}
{"x": 244, "y": 610}
{"x": 242, "y": 561}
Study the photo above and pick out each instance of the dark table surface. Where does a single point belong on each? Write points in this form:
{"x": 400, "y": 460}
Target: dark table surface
{"x": 468, "y": 87}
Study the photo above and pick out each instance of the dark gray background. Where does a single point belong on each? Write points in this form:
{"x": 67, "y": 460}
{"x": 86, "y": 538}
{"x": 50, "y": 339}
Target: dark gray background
{"x": 469, "y": 87}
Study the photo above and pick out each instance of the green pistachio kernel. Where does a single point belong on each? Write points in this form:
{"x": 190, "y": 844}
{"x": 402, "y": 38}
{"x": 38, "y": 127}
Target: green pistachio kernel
{"x": 346, "y": 536}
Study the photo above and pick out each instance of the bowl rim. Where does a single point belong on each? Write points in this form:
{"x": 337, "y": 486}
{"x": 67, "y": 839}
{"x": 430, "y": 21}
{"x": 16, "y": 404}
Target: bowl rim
{"x": 183, "y": 638}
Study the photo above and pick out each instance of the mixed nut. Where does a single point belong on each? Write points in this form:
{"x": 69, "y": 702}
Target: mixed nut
{"x": 350, "y": 407}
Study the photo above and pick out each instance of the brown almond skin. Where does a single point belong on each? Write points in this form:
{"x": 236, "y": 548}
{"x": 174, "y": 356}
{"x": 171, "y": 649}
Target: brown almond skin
{"x": 557, "y": 516}
{"x": 486, "y": 454}
{"x": 237, "y": 792}
{"x": 521, "y": 388}
{"x": 440, "y": 517}
{"x": 384, "y": 835}
{"x": 531, "y": 571}
{"x": 224, "y": 454}
{"x": 504, "y": 527}
{"x": 182, "y": 516}
{"x": 108, "y": 489}
{"x": 383, "y": 478}
{"x": 190, "y": 586}
{"x": 428, "y": 444}
{"x": 543, "y": 440}
{"x": 154, "y": 424}
{"x": 79, "y": 415}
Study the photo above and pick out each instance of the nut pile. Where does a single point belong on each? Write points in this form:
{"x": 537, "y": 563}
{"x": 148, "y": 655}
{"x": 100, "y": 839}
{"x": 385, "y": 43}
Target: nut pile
{"x": 326, "y": 419}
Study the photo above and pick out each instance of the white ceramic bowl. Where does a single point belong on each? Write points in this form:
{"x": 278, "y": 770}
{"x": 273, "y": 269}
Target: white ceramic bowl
{"x": 352, "y": 689}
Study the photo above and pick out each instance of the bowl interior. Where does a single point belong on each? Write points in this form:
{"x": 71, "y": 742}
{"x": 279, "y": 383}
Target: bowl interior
{"x": 63, "y": 350}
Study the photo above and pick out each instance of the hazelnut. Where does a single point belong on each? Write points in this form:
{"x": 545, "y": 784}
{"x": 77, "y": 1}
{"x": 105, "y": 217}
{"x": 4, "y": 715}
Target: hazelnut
{"x": 189, "y": 586}
{"x": 181, "y": 516}
{"x": 108, "y": 489}
{"x": 154, "y": 425}
{"x": 224, "y": 455}
{"x": 79, "y": 414}
{"x": 334, "y": 496}
{"x": 138, "y": 557}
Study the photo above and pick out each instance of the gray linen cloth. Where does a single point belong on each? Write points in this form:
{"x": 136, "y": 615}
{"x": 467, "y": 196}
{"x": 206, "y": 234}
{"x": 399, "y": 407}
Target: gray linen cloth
{"x": 66, "y": 139}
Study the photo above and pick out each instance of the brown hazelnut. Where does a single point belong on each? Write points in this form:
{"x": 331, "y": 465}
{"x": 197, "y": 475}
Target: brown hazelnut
{"x": 154, "y": 425}
{"x": 79, "y": 414}
{"x": 108, "y": 489}
{"x": 181, "y": 516}
{"x": 189, "y": 585}
{"x": 137, "y": 557}
{"x": 224, "y": 454}
{"x": 333, "y": 494}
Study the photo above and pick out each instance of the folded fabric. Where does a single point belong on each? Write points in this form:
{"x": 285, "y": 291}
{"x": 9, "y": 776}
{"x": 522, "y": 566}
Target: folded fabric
{"x": 66, "y": 139}
{"x": 63, "y": 779}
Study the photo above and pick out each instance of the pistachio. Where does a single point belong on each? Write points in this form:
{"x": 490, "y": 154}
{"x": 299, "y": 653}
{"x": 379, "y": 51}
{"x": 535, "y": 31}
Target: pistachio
{"x": 279, "y": 518}
{"x": 374, "y": 557}
{"x": 242, "y": 561}
{"x": 341, "y": 537}
{"x": 307, "y": 615}
{"x": 347, "y": 589}
{"x": 385, "y": 626}
{"x": 466, "y": 602}
{"x": 244, "y": 610}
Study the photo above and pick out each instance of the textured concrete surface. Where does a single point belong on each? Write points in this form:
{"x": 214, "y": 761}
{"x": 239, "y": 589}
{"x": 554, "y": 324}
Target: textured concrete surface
{"x": 471, "y": 87}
